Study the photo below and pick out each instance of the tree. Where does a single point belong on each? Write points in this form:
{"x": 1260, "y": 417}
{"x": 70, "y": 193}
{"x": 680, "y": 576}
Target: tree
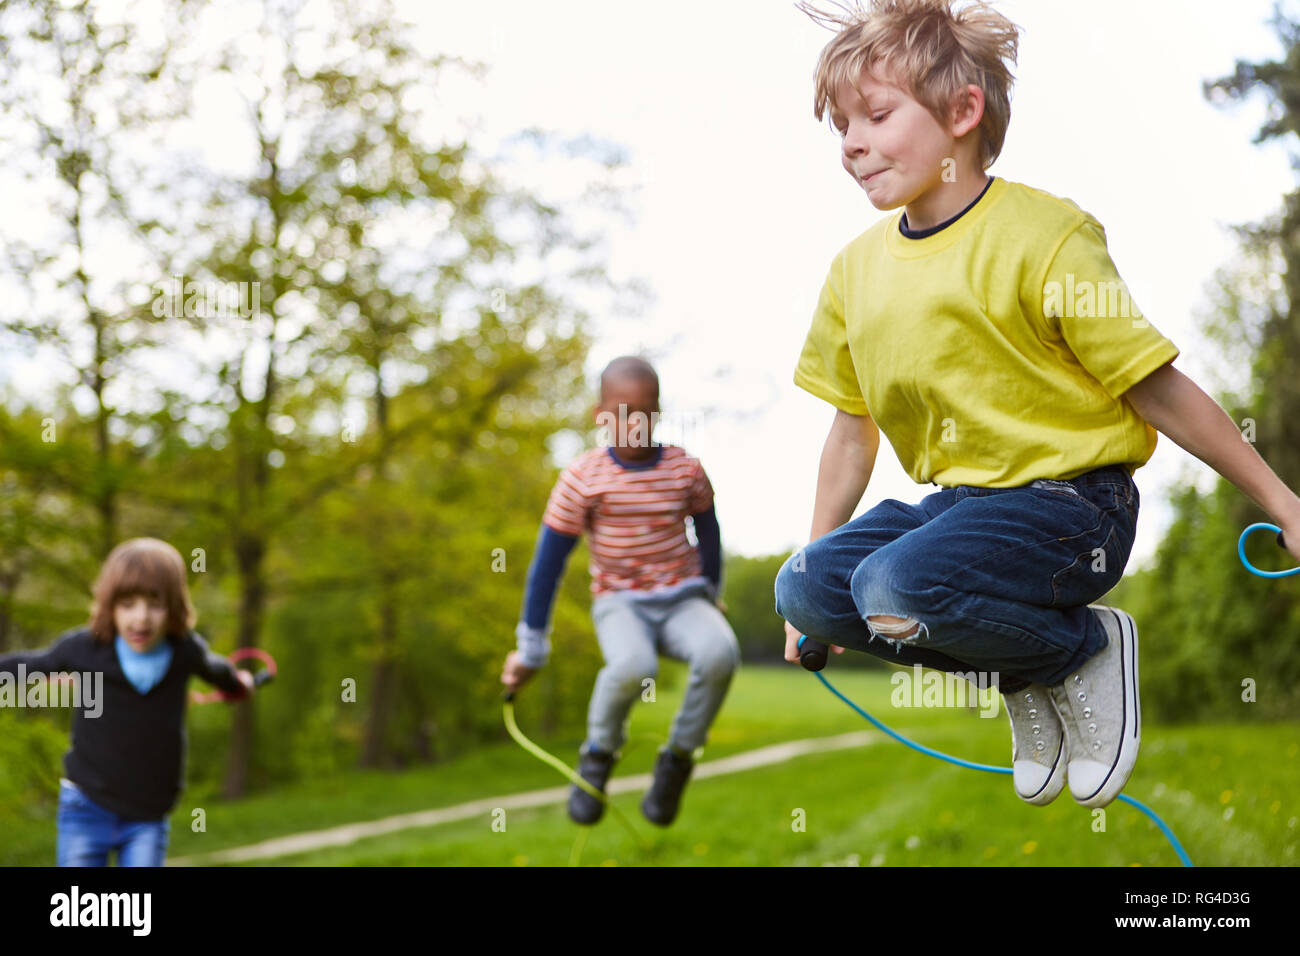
{"x": 366, "y": 418}
{"x": 363, "y": 238}
{"x": 1214, "y": 635}
{"x": 80, "y": 91}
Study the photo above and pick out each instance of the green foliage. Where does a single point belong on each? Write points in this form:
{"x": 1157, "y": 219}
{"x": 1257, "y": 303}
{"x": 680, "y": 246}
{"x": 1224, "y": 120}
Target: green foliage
{"x": 751, "y": 606}
{"x": 1205, "y": 625}
{"x": 31, "y": 751}
{"x": 1213, "y": 635}
{"x": 341, "y": 466}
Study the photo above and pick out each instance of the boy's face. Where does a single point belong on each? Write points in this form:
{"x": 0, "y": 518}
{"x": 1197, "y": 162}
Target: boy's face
{"x": 141, "y": 620}
{"x": 892, "y": 146}
{"x": 631, "y": 427}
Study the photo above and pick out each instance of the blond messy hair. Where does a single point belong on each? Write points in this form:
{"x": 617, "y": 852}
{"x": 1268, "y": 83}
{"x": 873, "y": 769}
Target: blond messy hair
{"x": 934, "y": 52}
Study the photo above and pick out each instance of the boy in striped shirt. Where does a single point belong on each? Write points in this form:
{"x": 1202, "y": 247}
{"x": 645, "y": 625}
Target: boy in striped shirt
{"x": 652, "y": 591}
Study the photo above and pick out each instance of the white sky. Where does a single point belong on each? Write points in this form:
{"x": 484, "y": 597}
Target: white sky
{"x": 744, "y": 202}
{"x": 741, "y": 201}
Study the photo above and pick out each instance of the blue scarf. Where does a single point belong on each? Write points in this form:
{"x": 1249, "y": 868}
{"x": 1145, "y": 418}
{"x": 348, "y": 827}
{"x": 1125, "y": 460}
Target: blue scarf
{"x": 144, "y": 670}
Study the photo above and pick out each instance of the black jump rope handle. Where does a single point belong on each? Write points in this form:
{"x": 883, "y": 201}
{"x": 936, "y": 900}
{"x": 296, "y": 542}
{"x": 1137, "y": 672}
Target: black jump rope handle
{"x": 812, "y": 653}
{"x": 1280, "y": 543}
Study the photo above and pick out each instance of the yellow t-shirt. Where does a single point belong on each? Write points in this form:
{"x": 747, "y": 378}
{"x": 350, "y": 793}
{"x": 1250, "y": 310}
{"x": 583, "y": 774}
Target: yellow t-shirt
{"x": 993, "y": 352}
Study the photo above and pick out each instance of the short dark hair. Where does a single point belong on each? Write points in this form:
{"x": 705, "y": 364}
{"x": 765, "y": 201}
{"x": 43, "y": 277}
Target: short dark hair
{"x": 629, "y": 368}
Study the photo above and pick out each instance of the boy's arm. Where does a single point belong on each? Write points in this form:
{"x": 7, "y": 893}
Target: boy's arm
{"x": 209, "y": 666}
{"x": 563, "y": 521}
{"x": 848, "y": 458}
{"x": 544, "y": 575}
{"x": 1176, "y": 406}
{"x": 709, "y": 537}
{"x": 53, "y": 659}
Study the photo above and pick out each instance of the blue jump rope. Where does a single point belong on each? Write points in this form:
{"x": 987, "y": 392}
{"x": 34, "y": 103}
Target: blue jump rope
{"x": 1281, "y": 543}
{"x": 814, "y": 659}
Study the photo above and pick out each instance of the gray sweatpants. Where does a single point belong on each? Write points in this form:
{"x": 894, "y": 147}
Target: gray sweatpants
{"x": 633, "y": 628}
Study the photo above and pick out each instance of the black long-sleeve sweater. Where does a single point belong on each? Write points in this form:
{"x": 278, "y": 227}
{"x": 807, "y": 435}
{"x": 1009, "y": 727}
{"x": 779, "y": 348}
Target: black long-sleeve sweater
{"x": 131, "y": 758}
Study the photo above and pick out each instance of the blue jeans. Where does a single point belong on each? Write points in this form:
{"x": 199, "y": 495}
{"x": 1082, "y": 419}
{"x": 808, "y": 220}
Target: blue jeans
{"x": 999, "y": 579}
{"x": 87, "y": 832}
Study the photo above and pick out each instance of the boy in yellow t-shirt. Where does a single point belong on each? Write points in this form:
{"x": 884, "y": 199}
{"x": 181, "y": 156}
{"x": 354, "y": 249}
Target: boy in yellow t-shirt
{"x": 986, "y": 331}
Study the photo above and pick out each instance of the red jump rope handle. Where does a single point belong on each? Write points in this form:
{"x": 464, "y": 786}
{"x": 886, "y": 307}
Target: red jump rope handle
{"x": 264, "y": 676}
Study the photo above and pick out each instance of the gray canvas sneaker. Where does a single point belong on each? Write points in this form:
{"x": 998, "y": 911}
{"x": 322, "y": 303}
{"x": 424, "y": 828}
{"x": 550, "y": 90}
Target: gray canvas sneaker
{"x": 1038, "y": 752}
{"x": 1098, "y": 704}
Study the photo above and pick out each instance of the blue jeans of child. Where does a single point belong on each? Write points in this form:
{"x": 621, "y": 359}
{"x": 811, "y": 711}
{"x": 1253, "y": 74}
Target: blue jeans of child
{"x": 87, "y": 832}
{"x": 999, "y": 579}
{"x": 633, "y": 628}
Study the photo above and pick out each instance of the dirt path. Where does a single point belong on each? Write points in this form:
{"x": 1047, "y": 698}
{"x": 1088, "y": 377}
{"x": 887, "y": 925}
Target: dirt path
{"x": 352, "y": 832}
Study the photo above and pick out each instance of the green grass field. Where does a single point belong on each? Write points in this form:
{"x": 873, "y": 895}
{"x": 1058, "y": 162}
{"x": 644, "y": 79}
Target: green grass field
{"x": 1228, "y": 792}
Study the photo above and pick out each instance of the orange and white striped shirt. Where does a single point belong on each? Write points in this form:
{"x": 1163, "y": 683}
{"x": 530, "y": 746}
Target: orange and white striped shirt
{"x": 634, "y": 516}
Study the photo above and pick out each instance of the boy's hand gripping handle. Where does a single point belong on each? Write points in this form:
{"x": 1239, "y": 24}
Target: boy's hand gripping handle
{"x": 812, "y": 653}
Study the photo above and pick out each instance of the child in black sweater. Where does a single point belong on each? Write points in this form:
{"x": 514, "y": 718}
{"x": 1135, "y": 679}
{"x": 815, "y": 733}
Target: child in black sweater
{"x": 126, "y": 764}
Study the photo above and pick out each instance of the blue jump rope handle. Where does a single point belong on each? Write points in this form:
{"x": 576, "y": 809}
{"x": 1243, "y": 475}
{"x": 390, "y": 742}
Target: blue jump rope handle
{"x": 262, "y": 677}
{"x": 812, "y": 653}
{"x": 1241, "y": 551}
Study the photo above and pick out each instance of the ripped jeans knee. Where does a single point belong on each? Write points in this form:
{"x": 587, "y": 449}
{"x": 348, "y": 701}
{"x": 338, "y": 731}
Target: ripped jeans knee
{"x": 885, "y": 594}
{"x": 903, "y": 629}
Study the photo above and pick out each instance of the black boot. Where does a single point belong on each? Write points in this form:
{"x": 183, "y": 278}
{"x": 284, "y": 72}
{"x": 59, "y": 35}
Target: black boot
{"x": 594, "y": 766}
{"x": 662, "y": 799}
